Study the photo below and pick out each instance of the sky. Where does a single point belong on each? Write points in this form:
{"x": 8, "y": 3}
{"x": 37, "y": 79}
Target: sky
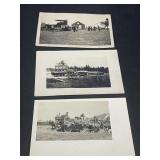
{"x": 79, "y": 58}
{"x": 48, "y": 110}
{"x": 87, "y": 19}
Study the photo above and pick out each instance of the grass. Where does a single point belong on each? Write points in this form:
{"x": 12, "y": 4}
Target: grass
{"x": 45, "y": 133}
{"x": 83, "y": 82}
{"x": 82, "y": 37}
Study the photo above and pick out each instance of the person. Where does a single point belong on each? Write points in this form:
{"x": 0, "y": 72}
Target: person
{"x": 99, "y": 28}
{"x": 107, "y": 23}
{"x": 52, "y": 124}
{"x": 74, "y": 29}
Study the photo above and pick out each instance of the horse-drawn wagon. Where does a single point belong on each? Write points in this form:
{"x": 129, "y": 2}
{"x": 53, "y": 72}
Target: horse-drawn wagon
{"x": 63, "y": 123}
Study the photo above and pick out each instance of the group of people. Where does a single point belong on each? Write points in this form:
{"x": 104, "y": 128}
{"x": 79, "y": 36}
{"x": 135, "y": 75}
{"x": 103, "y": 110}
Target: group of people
{"x": 94, "y": 28}
{"x": 75, "y": 29}
{"x": 90, "y": 28}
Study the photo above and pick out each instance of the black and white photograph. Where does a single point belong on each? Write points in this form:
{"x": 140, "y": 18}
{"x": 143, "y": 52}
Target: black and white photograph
{"x": 72, "y": 56}
{"x": 77, "y": 72}
{"x": 73, "y": 121}
{"x": 94, "y": 126}
{"x": 64, "y": 76}
{"x": 75, "y": 30}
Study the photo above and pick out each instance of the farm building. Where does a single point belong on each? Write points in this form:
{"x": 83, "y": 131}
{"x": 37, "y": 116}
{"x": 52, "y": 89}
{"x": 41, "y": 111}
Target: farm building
{"x": 61, "y": 66}
{"x": 60, "y": 69}
{"x": 78, "y": 25}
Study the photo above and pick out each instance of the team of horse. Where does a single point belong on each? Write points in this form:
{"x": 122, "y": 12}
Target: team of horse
{"x": 63, "y": 123}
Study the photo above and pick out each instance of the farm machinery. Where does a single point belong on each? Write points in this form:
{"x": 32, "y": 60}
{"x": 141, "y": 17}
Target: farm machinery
{"x": 61, "y": 25}
{"x": 63, "y": 123}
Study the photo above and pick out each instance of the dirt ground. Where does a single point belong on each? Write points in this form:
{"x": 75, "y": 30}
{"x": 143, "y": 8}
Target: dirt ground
{"x": 82, "y": 37}
{"x": 45, "y": 133}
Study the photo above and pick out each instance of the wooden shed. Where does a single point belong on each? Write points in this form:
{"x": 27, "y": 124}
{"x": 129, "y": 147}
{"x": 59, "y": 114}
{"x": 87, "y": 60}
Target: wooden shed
{"x": 78, "y": 25}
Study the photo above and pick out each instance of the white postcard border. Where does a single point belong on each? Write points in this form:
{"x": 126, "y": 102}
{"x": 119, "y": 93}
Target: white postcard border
{"x": 114, "y": 73}
{"x": 120, "y": 145}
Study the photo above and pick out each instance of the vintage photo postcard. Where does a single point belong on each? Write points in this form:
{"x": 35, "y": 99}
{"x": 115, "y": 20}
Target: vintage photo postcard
{"x": 77, "y": 72}
{"x": 81, "y": 127}
{"x": 67, "y": 122}
{"x": 74, "y": 30}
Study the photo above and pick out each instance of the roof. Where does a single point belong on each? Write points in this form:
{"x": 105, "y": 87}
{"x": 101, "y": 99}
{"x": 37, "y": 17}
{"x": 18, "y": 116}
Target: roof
{"x": 78, "y": 22}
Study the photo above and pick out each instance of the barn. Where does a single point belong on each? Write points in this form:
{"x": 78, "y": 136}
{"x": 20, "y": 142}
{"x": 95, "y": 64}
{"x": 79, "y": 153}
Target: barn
{"x": 78, "y": 25}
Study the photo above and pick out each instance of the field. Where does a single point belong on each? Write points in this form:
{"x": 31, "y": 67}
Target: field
{"x": 82, "y": 82}
{"x": 81, "y": 37}
{"x": 45, "y": 133}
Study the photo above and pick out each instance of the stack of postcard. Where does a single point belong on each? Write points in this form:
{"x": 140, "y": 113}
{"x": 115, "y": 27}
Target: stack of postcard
{"x": 90, "y": 126}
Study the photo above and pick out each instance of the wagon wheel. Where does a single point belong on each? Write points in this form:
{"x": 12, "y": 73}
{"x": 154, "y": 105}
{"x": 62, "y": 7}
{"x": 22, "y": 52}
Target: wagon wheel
{"x": 67, "y": 129}
{"x": 96, "y": 129}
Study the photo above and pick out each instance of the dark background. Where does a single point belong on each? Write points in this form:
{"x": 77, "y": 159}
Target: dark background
{"x": 126, "y": 31}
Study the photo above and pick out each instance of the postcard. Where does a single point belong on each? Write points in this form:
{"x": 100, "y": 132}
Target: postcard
{"x": 74, "y": 30}
{"x": 81, "y": 127}
{"x": 77, "y": 72}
